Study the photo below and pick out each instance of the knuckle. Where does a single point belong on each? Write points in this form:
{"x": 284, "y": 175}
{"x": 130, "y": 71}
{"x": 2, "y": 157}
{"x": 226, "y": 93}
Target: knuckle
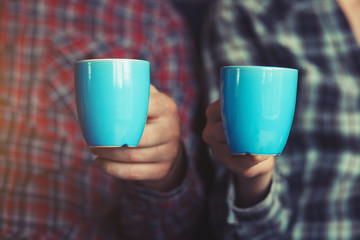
{"x": 241, "y": 170}
{"x": 161, "y": 172}
{"x": 175, "y": 133}
{"x": 171, "y": 129}
{"x": 164, "y": 171}
{"x": 171, "y": 150}
{"x": 171, "y": 105}
{"x": 247, "y": 173}
{"x": 132, "y": 156}
{"x": 208, "y": 112}
{"x": 205, "y": 135}
{"x": 256, "y": 159}
{"x": 108, "y": 168}
{"x": 174, "y": 150}
{"x": 250, "y": 172}
{"x": 133, "y": 173}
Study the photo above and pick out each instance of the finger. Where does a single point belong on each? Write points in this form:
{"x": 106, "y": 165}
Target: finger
{"x": 154, "y": 154}
{"x": 161, "y": 105}
{"x": 248, "y": 166}
{"x": 131, "y": 171}
{"x": 221, "y": 151}
{"x": 261, "y": 158}
{"x": 160, "y": 132}
{"x": 153, "y": 89}
{"x": 213, "y": 132}
{"x": 213, "y": 112}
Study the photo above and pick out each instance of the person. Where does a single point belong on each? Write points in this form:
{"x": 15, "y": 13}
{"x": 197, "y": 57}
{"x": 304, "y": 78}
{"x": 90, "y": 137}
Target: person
{"x": 52, "y": 185}
{"x": 310, "y": 191}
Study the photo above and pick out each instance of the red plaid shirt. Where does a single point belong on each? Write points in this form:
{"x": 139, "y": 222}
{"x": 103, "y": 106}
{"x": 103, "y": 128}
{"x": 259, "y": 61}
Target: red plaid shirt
{"x": 49, "y": 188}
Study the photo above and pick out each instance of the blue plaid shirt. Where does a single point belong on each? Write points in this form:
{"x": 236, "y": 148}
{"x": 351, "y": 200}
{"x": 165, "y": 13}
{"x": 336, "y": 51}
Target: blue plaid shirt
{"x": 315, "y": 192}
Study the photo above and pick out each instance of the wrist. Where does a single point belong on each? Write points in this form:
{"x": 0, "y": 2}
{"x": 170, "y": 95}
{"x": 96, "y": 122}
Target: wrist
{"x": 174, "y": 177}
{"x": 250, "y": 191}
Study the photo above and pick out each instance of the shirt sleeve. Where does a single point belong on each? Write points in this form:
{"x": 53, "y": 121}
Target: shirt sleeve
{"x": 268, "y": 219}
{"x": 231, "y": 39}
{"x": 169, "y": 215}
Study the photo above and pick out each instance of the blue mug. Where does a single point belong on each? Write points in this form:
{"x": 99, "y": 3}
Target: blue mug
{"x": 112, "y": 98}
{"x": 257, "y": 107}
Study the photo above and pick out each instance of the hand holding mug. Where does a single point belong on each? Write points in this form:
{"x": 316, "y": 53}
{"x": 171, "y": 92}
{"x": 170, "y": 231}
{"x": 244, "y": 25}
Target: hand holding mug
{"x": 252, "y": 172}
{"x": 158, "y": 159}
{"x": 251, "y": 123}
{"x": 245, "y": 165}
{"x": 117, "y": 107}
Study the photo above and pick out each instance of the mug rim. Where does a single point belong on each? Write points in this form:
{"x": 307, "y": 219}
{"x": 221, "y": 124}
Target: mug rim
{"x": 258, "y": 67}
{"x": 111, "y": 59}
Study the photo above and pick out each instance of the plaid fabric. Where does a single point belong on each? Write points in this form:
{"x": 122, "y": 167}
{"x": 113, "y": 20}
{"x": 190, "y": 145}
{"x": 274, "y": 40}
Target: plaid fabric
{"x": 48, "y": 186}
{"x": 315, "y": 192}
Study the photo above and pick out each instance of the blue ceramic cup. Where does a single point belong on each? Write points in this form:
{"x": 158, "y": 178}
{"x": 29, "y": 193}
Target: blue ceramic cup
{"x": 112, "y": 98}
{"x": 257, "y": 107}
